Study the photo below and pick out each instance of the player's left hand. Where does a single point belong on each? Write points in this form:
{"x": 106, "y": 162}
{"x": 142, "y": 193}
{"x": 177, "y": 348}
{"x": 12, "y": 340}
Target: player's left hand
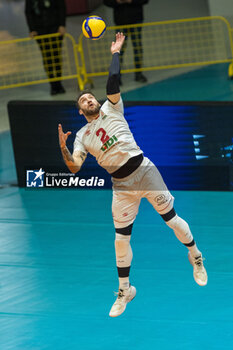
{"x": 62, "y": 30}
{"x": 63, "y": 136}
{"x": 117, "y": 45}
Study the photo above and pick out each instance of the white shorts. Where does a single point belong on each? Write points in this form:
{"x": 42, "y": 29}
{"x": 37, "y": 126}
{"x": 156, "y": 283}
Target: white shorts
{"x": 145, "y": 181}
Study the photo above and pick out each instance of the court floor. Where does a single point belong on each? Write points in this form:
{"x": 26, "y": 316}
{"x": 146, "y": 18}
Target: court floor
{"x": 58, "y": 274}
{"x": 57, "y": 262}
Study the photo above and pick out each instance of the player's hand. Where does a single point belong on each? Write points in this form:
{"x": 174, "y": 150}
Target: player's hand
{"x": 62, "y": 30}
{"x": 32, "y": 34}
{"x": 117, "y": 45}
{"x": 63, "y": 136}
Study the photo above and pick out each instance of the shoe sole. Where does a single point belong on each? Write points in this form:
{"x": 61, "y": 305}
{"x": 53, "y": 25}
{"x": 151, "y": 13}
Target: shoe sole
{"x": 125, "y": 306}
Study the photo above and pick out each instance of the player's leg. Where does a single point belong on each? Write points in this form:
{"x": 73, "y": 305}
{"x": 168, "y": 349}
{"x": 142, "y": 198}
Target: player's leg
{"x": 162, "y": 200}
{"x": 124, "y": 255}
{"x": 45, "y": 47}
{"x": 183, "y": 233}
{"x": 124, "y": 208}
{"x": 57, "y": 54}
{"x": 136, "y": 37}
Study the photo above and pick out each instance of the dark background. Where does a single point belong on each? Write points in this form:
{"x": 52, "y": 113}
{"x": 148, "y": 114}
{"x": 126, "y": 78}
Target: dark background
{"x": 165, "y": 131}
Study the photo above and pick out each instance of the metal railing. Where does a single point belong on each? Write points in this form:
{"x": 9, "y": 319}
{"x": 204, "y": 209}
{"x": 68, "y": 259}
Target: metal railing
{"x": 161, "y": 45}
{"x": 149, "y": 46}
{"x": 42, "y": 59}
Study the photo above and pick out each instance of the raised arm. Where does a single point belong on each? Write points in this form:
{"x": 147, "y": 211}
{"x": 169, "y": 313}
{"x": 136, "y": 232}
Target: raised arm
{"x": 113, "y": 87}
{"x": 73, "y": 161}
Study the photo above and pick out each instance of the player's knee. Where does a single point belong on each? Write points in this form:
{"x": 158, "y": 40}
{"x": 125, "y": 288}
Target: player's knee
{"x": 177, "y": 223}
{"x": 121, "y": 245}
{"x": 121, "y": 248}
{"x": 170, "y": 218}
{"x": 172, "y": 223}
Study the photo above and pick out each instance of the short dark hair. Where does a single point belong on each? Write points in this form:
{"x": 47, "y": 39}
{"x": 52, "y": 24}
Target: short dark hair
{"x": 84, "y": 92}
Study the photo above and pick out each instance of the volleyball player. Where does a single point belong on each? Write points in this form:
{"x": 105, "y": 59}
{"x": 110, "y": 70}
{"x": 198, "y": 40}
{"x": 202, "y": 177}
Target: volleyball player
{"x": 108, "y": 138}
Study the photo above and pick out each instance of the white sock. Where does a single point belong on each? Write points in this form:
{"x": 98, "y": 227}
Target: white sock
{"x": 194, "y": 251}
{"x": 123, "y": 282}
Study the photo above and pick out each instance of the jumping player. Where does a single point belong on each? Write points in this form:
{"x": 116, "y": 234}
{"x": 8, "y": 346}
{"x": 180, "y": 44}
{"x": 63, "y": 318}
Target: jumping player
{"x": 108, "y": 138}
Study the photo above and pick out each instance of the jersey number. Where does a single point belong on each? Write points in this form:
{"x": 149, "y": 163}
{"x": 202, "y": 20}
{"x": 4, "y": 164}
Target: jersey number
{"x": 104, "y": 137}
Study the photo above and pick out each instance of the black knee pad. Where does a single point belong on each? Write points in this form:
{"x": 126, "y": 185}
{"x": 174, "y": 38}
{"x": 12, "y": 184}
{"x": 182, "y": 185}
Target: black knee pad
{"x": 125, "y": 230}
{"x": 168, "y": 216}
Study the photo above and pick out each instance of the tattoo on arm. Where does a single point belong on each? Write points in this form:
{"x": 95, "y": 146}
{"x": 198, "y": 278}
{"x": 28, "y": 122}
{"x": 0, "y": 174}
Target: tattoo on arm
{"x": 66, "y": 155}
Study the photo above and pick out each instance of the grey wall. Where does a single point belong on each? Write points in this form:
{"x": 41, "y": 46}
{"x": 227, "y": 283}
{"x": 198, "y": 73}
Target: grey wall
{"x": 222, "y": 8}
{"x": 12, "y": 20}
{"x": 175, "y": 9}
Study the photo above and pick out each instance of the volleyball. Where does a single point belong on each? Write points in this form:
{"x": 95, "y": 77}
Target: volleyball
{"x": 93, "y": 27}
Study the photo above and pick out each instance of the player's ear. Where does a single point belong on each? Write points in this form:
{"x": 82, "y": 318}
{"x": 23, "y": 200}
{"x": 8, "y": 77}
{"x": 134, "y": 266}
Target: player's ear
{"x": 80, "y": 111}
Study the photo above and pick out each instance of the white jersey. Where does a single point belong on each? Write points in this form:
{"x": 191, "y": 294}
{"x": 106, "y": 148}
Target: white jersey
{"x": 108, "y": 138}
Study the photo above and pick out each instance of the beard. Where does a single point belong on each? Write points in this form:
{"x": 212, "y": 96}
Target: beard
{"x": 92, "y": 111}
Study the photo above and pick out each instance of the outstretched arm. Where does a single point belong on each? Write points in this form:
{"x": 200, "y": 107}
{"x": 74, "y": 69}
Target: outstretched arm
{"x": 113, "y": 88}
{"x": 73, "y": 161}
